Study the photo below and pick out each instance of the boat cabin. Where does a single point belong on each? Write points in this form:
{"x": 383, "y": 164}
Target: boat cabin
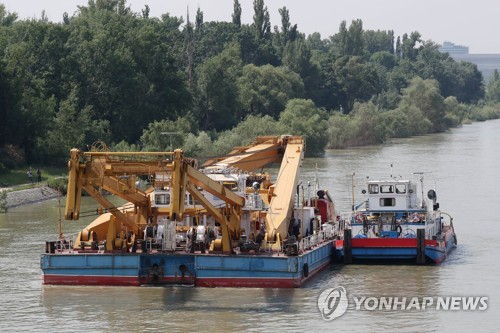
{"x": 393, "y": 195}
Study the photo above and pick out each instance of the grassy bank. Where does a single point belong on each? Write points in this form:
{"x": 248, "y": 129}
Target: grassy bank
{"x": 18, "y": 178}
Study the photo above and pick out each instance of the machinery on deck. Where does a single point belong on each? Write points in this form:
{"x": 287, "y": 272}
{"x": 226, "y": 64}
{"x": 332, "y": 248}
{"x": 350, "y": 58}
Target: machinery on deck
{"x": 223, "y": 206}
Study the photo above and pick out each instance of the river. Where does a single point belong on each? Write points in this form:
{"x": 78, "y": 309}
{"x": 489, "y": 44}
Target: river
{"x": 462, "y": 165}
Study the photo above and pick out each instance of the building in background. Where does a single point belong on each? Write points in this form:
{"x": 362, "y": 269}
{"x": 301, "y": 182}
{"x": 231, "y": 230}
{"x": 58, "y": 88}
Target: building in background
{"x": 453, "y": 49}
{"x": 486, "y": 63}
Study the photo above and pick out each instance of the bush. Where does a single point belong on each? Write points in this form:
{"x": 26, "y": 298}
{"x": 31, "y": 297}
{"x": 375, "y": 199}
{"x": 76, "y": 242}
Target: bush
{"x": 60, "y": 184}
{"x": 486, "y": 112}
{"x": 3, "y": 201}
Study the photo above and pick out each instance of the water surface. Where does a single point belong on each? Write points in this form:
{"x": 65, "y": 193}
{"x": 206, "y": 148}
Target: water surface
{"x": 463, "y": 167}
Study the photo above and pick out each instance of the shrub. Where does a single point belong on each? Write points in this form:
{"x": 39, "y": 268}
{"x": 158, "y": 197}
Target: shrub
{"x": 60, "y": 184}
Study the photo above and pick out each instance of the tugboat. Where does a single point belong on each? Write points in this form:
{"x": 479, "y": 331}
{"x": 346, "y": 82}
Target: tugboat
{"x": 394, "y": 224}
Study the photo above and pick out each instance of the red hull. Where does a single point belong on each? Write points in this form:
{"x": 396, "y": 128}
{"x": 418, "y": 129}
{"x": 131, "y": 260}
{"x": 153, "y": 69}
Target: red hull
{"x": 388, "y": 242}
{"x": 201, "y": 282}
{"x": 90, "y": 280}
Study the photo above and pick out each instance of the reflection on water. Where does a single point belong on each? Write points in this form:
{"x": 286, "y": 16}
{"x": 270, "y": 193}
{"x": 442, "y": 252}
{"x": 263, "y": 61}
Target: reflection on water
{"x": 462, "y": 166}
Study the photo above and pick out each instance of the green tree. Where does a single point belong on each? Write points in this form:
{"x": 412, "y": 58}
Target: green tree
{"x": 379, "y": 41}
{"x": 265, "y": 90}
{"x": 122, "y": 63}
{"x": 287, "y": 34}
{"x": 493, "y": 88}
{"x": 426, "y": 96}
{"x": 29, "y": 67}
{"x": 236, "y": 13}
{"x": 302, "y": 117}
{"x": 355, "y": 41}
{"x": 218, "y": 90}
{"x": 166, "y": 135}
{"x": 264, "y": 52}
{"x": 355, "y": 80}
{"x": 406, "y": 121}
{"x": 409, "y": 48}
{"x": 200, "y": 146}
{"x": 6, "y": 18}
{"x": 261, "y": 21}
{"x": 71, "y": 128}
{"x": 455, "y": 111}
{"x": 245, "y": 132}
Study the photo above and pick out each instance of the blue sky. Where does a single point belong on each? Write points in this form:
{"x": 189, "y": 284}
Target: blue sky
{"x": 475, "y": 25}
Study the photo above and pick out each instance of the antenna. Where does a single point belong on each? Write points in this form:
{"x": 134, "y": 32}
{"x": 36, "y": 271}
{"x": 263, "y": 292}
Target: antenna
{"x": 352, "y": 188}
{"x": 421, "y": 173}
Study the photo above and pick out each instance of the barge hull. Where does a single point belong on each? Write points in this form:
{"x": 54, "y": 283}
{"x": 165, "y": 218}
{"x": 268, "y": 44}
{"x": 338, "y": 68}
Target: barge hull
{"x": 204, "y": 270}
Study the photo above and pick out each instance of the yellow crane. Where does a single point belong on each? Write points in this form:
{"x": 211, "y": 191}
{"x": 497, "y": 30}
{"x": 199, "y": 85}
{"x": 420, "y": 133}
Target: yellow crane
{"x": 117, "y": 173}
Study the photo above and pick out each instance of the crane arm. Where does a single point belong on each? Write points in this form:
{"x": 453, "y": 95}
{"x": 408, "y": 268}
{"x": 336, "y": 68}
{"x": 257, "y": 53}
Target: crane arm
{"x": 283, "y": 191}
{"x": 263, "y": 151}
{"x": 114, "y": 172}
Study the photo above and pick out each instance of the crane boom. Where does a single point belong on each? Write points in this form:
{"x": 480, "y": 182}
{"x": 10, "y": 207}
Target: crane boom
{"x": 176, "y": 176}
{"x": 261, "y": 152}
{"x": 283, "y": 190}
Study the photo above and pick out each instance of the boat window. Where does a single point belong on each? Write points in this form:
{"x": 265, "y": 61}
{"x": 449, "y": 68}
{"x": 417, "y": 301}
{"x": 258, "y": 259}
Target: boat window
{"x": 162, "y": 199}
{"x": 401, "y": 188}
{"x": 386, "y": 188}
{"x": 387, "y": 202}
{"x": 372, "y": 188}
{"x": 188, "y": 200}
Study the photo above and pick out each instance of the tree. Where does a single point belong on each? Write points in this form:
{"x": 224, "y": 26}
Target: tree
{"x": 30, "y": 69}
{"x": 264, "y": 53}
{"x": 409, "y": 49}
{"x": 6, "y": 18}
{"x": 379, "y": 41}
{"x": 155, "y": 137}
{"x": 123, "y": 63}
{"x": 398, "y": 51}
{"x": 265, "y": 90}
{"x": 71, "y": 128}
{"x": 426, "y": 96}
{"x": 357, "y": 81}
{"x": 199, "y": 19}
{"x": 237, "y": 13}
{"x": 301, "y": 117}
{"x": 245, "y": 132}
{"x": 288, "y": 33}
{"x": 355, "y": 43}
{"x": 343, "y": 37}
{"x": 493, "y": 88}
{"x": 218, "y": 105}
{"x": 261, "y": 21}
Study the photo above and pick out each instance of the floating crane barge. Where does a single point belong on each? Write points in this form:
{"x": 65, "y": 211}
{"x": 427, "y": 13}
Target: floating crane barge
{"x": 221, "y": 225}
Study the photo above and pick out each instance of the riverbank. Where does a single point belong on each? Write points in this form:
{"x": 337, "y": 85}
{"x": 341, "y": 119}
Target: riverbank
{"x": 29, "y": 196}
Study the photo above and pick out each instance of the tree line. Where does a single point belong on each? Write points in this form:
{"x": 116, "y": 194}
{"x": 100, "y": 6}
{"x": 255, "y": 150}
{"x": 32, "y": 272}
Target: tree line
{"x": 109, "y": 74}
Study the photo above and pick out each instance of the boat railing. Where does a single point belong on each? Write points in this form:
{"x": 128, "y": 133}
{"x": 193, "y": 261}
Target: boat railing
{"x": 64, "y": 244}
{"x": 315, "y": 239}
{"x": 253, "y": 201}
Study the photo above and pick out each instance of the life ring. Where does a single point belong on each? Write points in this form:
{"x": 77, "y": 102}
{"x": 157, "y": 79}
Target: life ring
{"x": 305, "y": 269}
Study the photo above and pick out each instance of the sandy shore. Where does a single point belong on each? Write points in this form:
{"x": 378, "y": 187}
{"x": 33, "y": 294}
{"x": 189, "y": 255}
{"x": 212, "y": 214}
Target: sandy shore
{"x": 29, "y": 196}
